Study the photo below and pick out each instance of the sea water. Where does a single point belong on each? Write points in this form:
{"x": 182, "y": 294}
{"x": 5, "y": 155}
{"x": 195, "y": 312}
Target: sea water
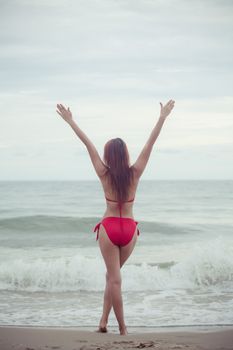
{"x": 52, "y": 272}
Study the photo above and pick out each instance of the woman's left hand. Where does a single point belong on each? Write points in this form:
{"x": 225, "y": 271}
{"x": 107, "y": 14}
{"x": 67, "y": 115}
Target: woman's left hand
{"x": 64, "y": 113}
{"x": 166, "y": 110}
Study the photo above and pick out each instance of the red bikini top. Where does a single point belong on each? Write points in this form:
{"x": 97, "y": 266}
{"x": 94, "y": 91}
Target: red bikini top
{"x": 120, "y": 204}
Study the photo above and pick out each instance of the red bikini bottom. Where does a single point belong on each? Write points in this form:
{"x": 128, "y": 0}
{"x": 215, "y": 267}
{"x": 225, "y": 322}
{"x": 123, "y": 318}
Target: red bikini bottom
{"x": 119, "y": 230}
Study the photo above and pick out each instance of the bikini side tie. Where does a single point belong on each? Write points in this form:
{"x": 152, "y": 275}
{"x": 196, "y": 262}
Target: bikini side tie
{"x": 97, "y": 227}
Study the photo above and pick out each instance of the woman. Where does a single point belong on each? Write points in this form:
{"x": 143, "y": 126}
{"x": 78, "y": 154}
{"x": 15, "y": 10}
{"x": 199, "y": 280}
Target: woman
{"x": 117, "y": 231}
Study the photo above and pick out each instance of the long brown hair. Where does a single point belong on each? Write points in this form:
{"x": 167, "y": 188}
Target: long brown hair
{"x": 119, "y": 173}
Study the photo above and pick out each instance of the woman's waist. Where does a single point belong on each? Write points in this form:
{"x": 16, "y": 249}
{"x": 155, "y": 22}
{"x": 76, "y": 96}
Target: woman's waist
{"x": 124, "y": 215}
{"x": 117, "y": 218}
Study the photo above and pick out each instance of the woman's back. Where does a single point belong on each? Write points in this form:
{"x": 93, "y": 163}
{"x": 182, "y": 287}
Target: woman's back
{"x": 113, "y": 205}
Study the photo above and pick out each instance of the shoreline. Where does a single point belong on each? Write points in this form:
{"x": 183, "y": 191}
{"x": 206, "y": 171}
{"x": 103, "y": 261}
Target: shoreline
{"x": 134, "y": 329}
{"x": 86, "y": 338}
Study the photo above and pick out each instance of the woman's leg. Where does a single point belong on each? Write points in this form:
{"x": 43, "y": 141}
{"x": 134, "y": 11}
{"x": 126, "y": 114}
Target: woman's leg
{"x": 111, "y": 255}
{"x": 107, "y": 306}
{"x": 124, "y": 253}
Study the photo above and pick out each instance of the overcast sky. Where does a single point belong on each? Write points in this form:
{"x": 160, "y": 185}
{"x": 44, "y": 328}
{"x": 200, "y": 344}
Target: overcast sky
{"x": 112, "y": 62}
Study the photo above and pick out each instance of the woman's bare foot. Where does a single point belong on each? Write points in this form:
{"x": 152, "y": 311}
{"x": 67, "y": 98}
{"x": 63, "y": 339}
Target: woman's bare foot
{"x": 102, "y": 330}
{"x": 123, "y": 330}
{"x": 102, "y": 326}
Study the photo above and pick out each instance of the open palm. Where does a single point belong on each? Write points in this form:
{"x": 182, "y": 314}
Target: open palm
{"x": 167, "y": 108}
{"x": 64, "y": 113}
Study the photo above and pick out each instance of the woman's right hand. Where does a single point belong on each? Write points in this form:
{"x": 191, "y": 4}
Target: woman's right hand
{"x": 166, "y": 109}
{"x": 64, "y": 113}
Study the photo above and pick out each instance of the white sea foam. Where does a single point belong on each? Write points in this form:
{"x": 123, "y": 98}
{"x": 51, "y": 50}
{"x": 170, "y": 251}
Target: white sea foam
{"x": 207, "y": 264}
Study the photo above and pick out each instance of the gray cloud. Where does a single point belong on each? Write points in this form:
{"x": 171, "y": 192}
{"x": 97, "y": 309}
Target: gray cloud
{"x": 112, "y": 61}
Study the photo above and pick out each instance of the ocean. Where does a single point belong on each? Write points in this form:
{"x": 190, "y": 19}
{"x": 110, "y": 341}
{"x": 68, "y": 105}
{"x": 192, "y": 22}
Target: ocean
{"x": 179, "y": 274}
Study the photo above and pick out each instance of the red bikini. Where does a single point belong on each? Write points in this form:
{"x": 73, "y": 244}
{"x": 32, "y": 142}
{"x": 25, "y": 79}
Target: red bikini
{"x": 119, "y": 230}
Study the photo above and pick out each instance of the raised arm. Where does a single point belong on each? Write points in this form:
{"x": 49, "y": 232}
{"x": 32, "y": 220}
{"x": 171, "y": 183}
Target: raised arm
{"x": 66, "y": 114}
{"x": 143, "y": 157}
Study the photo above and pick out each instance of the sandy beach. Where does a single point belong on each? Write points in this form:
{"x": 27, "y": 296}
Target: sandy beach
{"x": 38, "y": 338}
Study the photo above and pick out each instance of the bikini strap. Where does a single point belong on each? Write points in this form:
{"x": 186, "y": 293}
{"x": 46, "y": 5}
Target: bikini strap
{"x": 111, "y": 200}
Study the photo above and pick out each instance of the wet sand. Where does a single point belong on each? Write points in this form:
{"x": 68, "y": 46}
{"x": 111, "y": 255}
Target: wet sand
{"x": 46, "y": 338}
